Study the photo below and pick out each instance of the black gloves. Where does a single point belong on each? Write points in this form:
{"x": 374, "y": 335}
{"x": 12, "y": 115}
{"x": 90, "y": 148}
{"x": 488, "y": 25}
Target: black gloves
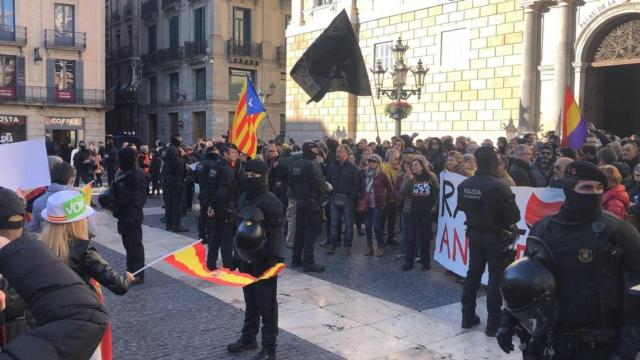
{"x": 504, "y": 336}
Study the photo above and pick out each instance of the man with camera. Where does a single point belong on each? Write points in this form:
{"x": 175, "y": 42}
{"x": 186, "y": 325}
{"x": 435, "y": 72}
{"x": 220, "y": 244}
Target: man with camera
{"x": 491, "y": 212}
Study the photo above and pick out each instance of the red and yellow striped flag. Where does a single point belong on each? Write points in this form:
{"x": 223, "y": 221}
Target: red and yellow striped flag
{"x": 249, "y": 115}
{"x": 191, "y": 260}
{"x": 86, "y": 192}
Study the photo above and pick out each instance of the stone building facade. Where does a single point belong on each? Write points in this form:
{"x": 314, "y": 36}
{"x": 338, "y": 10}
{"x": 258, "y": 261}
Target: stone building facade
{"x": 52, "y": 70}
{"x": 490, "y": 62}
{"x": 193, "y": 57}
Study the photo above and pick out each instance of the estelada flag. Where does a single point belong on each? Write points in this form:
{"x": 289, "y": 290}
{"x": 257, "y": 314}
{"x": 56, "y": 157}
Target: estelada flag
{"x": 574, "y": 127}
{"x": 249, "y": 115}
{"x": 333, "y": 62}
{"x": 191, "y": 260}
{"x": 86, "y": 192}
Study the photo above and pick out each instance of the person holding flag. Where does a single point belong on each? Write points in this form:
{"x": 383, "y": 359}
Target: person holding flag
{"x": 249, "y": 114}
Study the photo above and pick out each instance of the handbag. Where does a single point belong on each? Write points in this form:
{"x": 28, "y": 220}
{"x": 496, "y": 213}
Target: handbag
{"x": 340, "y": 200}
{"x": 363, "y": 203}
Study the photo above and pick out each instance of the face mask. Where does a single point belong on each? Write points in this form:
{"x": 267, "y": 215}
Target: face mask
{"x": 82, "y": 147}
{"x": 256, "y": 184}
{"x": 580, "y": 207}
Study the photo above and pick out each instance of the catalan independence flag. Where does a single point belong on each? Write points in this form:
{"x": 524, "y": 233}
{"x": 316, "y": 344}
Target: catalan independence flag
{"x": 574, "y": 127}
{"x": 249, "y": 115}
{"x": 191, "y": 260}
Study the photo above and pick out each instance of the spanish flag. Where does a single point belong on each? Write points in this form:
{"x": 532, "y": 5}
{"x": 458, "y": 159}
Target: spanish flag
{"x": 249, "y": 115}
{"x": 574, "y": 128}
{"x": 191, "y": 260}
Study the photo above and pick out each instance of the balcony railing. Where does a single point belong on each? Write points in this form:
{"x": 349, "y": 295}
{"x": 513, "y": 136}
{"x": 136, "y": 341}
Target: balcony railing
{"x": 149, "y": 61}
{"x": 54, "y": 96}
{"x": 247, "y": 49}
{"x": 121, "y": 53}
{"x": 281, "y": 55}
{"x": 65, "y": 39}
{"x": 170, "y": 55}
{"x": 115, "y": 16}
{"x": 149, "y": 10}
{"x": 16, "y": 35}
{"x": 194, "y": 49}
{"x": 170, "y": 5}
{"x": 128, "y": 10}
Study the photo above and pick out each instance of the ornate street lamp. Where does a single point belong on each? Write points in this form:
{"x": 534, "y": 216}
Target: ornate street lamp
{"x": 399, "y": 109}
{"x": 511, "y": 130}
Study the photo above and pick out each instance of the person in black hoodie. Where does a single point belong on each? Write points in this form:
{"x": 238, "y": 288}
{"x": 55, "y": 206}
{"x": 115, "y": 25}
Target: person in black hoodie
{"x": 130, "y": 193}
{"x": 110, "y": 161}
{"x": 435, "y": 155}
{"x": 83, "y": 164}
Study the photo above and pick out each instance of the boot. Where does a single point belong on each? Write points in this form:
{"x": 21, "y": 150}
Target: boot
{"x": 469, "y": 322}
{"x": 265, "y": 354}
{"x": 331, "y": 250}
{"x": 242, "y": 345}
{"x": 347, "y": 250}
{"x": 379, "y": 252}
{"x": 313, "y": 268}
{"x": 369, "y": 250}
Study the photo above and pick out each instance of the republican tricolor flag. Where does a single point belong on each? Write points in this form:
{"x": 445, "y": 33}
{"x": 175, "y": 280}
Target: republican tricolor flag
{"x": 249, "y": 115}
{"x": 574, "y": 128}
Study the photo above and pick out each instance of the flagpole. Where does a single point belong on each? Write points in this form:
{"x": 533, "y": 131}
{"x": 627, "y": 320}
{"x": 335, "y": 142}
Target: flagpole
{"x": 164, "y": 257}
{"x": 270, "y": 124}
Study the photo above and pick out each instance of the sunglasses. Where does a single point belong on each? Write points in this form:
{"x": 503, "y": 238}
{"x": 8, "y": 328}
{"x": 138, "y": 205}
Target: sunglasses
{"x": 371, "y": 161}
{"x": 546, "y": 153}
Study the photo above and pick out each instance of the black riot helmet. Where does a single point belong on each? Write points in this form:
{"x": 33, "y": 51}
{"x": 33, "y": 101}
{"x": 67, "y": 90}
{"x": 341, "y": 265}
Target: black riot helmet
{"x": 107, "y": 200}
{"x": 250, "y": 238}
{"x": 528, "y": 289}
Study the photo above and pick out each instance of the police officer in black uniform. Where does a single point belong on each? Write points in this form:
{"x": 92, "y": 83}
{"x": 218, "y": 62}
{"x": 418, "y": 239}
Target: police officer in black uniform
{"x": 130, "y": 194}
{"x": 206, "y": 173}
{"x": 223, "y": 207}
{"x": 491, "y": 212}
{"x": 597, "y": 262}
{"x": 307, "y": 184}
{"x": 173, "y": 172}
{"x": 258, "y": 242}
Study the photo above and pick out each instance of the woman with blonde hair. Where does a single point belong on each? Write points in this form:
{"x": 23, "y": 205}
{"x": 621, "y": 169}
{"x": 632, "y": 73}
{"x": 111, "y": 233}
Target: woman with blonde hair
{"x": 66, "y": 233}
{"x": 455, "y": 163}
{"x": 421, "y": 199}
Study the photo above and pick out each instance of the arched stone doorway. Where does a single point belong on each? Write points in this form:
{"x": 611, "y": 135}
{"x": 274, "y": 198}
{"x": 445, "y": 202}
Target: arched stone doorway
{"x": 611, "y": 62}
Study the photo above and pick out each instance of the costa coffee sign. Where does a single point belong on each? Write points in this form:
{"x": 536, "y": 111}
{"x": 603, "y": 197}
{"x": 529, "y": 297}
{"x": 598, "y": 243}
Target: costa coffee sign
{"x": 63, "y": 122}
{"x": 12, "y": 128}
{"x": 7, "y": 92}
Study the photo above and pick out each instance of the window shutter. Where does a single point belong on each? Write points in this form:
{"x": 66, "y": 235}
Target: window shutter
{"x": 79, "y": 81}
{"x": 51, "y": 79}
{"x": 20, "y": 78}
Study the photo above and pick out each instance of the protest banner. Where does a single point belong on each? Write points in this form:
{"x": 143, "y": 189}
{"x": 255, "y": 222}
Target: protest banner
{"x": 452, "y": 244}
{"x": 24, "y": 165}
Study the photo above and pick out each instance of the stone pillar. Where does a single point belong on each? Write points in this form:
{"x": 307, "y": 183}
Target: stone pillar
{"x": 562, "y": 55}
{"x": 529, "y": 119}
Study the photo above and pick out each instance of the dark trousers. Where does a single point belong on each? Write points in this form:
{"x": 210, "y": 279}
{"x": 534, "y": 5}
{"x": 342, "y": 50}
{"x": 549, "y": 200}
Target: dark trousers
{"x": 131, "y": 233}
{"x": 97, "y": 182}
{"x": 261, "y": 303}
{"x": 188, "y": 196}
{"x": 174, "y": 193}
{"x": 221, "y": 237}
{"x": 111, "y": 175}
{"x": 391, "y": 212}
{"x": 373, "y": 225}
{"x": 485, "y": 248}
{"x": 307, "y": 228}
{"x": 204, "y": 224}
{"x": 155, "y": 185}
{"x": 570, "y": 348}
{"x": 421, "y": 235}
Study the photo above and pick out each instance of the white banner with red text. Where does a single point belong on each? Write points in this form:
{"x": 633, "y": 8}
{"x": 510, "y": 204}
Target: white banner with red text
{"x": 451, "y": 242}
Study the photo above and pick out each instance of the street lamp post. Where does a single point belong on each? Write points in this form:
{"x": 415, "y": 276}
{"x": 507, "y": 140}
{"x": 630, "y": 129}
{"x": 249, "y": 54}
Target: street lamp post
{"x": 398, "y": 93}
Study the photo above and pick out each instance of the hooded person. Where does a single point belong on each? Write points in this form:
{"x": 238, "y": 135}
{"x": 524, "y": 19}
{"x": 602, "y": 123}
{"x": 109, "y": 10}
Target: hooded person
{"x": 130, "y": 193}
{"x": 588, "y": 243}
{"x": 261, "y": 297}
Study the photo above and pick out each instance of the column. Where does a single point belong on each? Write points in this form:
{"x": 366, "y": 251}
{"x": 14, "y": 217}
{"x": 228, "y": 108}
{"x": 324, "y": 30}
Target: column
{"x": 529, "y": 71}
{"x": 562, "y": 55}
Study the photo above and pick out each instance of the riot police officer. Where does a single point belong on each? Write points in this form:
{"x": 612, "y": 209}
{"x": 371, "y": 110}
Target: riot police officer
{"x": 258, "y": 243}
{"x": 173, "y": 172}
{"x": 307, "y": 184}
{"x": 597, "y": 262}
{"x": 207, "y": 173}
{"x": 491, "y": 212}
{"x": 129, "y": 191}
{"x": 223, "y": 207}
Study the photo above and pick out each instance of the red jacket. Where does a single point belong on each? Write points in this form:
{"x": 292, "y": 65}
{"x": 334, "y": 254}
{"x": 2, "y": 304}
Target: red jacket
{"x": 382, "y": 189}
{"x": 616, "y": 200}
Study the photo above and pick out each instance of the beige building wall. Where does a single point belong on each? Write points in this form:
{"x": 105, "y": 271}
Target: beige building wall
{"x": 34, "y": 99}
{"x": 475, "y": 96}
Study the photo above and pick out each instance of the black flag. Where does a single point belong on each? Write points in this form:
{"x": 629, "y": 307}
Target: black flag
{"x": 333, "y": 63}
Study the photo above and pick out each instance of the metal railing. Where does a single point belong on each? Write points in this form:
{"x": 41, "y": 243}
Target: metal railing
{"x": 281, "y": 55}
{"x": 13, "y": 34}
{"x": 115, "y": 16}
{"x": 64, "y": 39}
{"x": 53, "y": 96}
{"x": 149, "y": 60}
{"x": 149, "y": 9}
{"x": 169, "y": 55}
{"x": 195, "y": 48}
{"x": 248, "y": 49}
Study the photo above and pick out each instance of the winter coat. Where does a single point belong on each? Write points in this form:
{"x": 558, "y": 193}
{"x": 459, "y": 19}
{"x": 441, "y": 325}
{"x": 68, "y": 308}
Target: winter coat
{"x": 130, "y": 191}
{"x": 542, "y": 175}
{"x": 345, "y": 179}
{"x": 616, "y": 200}
{"x": 88, "y": 264}
{"x": 70, "y": 319}
{"x": 381, "y": 188}
{"x": 409, "y": 191}
{"x": 521, "y": 173}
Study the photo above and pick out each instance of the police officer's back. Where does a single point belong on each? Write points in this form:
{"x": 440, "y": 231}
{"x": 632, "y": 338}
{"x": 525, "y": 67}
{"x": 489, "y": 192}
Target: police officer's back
{"x": 173, "y": 172}
{"x": 261, "y": 213}
{"x": 206, "y": 173}
{"x": 491, "y": 212}
{"x": 596, "y": 262}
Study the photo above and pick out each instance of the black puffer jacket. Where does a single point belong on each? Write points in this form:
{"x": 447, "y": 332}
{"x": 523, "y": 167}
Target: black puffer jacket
{"x": 86, "y": 262}
{"x": 130, "y": 191}
{"x": 17, "y": 317}
{"x": 70, "y": 319}
{"x": 521, "y": 173}
{"x": 345, "y": 179}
